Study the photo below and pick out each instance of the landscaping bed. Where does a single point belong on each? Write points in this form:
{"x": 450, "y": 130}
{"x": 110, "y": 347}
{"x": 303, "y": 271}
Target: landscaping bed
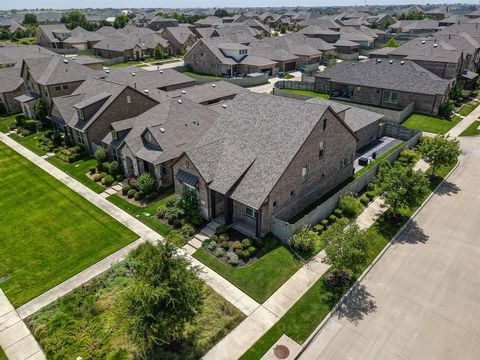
{"x": 472, "y": 129}
{"x": 93, "y": 322}
{"x": 262, "y": 277}
{"x": 49, "y": 233}
{"x": 431, "y": 124}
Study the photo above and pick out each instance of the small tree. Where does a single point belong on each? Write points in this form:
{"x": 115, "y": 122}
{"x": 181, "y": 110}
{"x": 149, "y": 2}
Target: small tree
{"x": 346, "y": 248}
{"x": 29, "y": 18}
{"x": 391, "y": 43}
{"x": 167, "y": 295}
{"x": 455, "y": 92}
{"x": 304, "y": 239}
{"x": 188, "y": 205}
{"x": 147, "y": 183}
{"x": 40, "y": 110}
{"x": 439, "y": 151}
{"x": 158, "y": 54}
{"x": 400, "y": 186}
{"x": 446, "y": 109}
{"x": 120, "y": 21}
{"x": 101, "y": 156}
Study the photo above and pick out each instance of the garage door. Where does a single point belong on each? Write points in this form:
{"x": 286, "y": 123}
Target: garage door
{"x": 290, "y": 66}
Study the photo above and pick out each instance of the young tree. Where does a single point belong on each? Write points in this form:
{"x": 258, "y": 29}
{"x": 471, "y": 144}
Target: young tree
{"x": 392, "y": 43}
{"x": 73, "y": 19}
{"x": 439, "y": 151}
{"x": 401, "y": 186}
{"x": 40, "y": 110}
{"x": 158, "y": 54}
{"x": 101, "y": 156}
{"x": 346, "y": 248}
{"x": 29, "y": 18}
{"x": 221, "y": 13}
{"x": 166, "y": 296}
{"x": 120, "y": 21}
{"x": 455, "y": 92}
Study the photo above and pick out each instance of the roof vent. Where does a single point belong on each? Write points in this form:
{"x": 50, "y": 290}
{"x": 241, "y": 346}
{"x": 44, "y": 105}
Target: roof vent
{"x": 162, "y": 130}
{"x": 390, "y": 62}
{"x": 435, "y": 45}
{"x": 179, "y": 101}
{"x": 107, "y": 71}
{"x": 423, "y": 41}
{"x": 133, "y": 74}
{"x": 224, "y": 106}
{"x": 184, "y": 92}
{"x": 213, "y": 85}
{"x": 65, "y": 61}
{"x": 73, "y": 58}
{"x": 161, "y": 71}
{"x": 379, "y": 60}
{"x": 402, "y": 62}
{"x": 146, "y": 91}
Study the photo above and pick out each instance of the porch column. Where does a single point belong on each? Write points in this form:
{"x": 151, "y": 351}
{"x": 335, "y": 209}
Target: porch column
{"x": 228, "y": 210}
{"x": 213, "y": 212}
{"x": 258, "y": 224}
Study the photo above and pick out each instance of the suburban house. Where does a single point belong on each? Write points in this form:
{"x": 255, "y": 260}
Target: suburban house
{"x": 209, "y": 93}
{"x": 180, "y": 38}
{"x": 209, "y": 21}
{"x": 86, "y": 114}
{"x": 82, "y": 39}
{"x": 153, "y": 140}
{"x": 159, "y": 23}
{"x": 391, "y": 84}
{"x": 12, "y": 26}
{"x": 347, "y": 50}
{"x": 52, "y": 36}
{"x": 266, "y": 156}
{"x": 304, "y": 53}
{"x": 49, "y": 77}
{"x": 323, "y": 22}
{"x": 315, "y": 31}
{"x": 11, "y": 54}
{"x": 11, "y": 86}
{"x": 415, "y": 26}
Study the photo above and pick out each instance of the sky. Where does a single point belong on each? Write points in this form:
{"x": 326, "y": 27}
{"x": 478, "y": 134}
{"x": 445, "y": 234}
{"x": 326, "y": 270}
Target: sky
{"x": 66, "y": 4}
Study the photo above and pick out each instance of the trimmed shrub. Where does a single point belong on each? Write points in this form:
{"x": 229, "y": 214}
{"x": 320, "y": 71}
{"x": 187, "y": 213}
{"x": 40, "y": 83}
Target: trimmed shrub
{"x": 139, "y": 195}
{"x": 147, "y": 183}
{"x": 324, "y": 223}
{"x": 364, "y": 199}
{"x": 214, "y": 238}
{"x": 318, "y": 228}
{"x": 175, "y": 237}
{"x": 246, "y": 243}
{"x": 132, "y": 181}
{"x": 108, "y": 180}
{"x": 225, "y": 245}
{"x": 219, "y": 252}
{"x": 171, "y": 203}
{"x": 114, "y": 168}
{"x": 151, "y": 196}
{"x": 303, "y": 239}
{"x": 212, "y": 246}
{"x": 196, "y": 219}
{"x": 30, "y": 125}
{"x": 338, "y": 213}
{"x": 370, "y": 194}
{"x": 187, "y": 230}
{"x": 178, "y": 223}
{"x": 236, "y": 245}
{"x": 232, "y": 258}
{"x": 221, "y": 229}
{"x": 245, "y": 255}
{"x": 101, "y": 155}
{"x": 19, "y": 119}
{"x": 171, "y": 218}
{"x": 161, "y": 211}
{"x": 106, "y": 167}
{"x": 98, "y": 177}
{"x": 252, "y": 250}
{"x": 224, "y": 237}
{"x": 350, "y": 206}
{"x": 125, "y": 189}
{"x": 332, "y": 218}
{"x": 92, "y": 170}
{"x": 131, "y": 193}
{"x": 259, "y": 243}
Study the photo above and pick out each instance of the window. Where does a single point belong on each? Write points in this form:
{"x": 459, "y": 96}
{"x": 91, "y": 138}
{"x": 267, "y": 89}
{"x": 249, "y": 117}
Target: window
{"x": 80, "y": 138}
{"x": 163, "y": 170}
{"x": 390, "y": 97}
{"x": 321, "y": 150}
{"x": 250, "y": 212}
{"x": 304, "y": 173}
{"x": 80, "y": 114}
{"x": 129, "y": 99}
{"x": 65, "y": 87}
{"x": 114, "y": 135}
{"x": 274, "y": 203}
{"x": 58, "y": 88}
{"x": 292, "y": 193}
{"x": 324, "y": 124}
{"x": 116, "y": 154}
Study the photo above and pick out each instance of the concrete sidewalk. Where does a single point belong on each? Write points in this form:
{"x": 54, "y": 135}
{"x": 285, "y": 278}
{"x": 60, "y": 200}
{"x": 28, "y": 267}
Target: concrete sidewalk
{"x": 15, "y": 338}
{"x": 466, "y": 122}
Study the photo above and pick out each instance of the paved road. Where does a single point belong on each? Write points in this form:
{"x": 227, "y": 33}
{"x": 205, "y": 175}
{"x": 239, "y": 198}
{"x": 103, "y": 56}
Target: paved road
{"x": 422, "y": 299}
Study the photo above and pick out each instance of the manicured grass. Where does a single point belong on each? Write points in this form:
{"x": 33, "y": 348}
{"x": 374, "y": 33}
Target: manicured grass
{"x": 5, "y": 121}
{"x": 468, "y": 108}
{"x": 92, "y": 322}
{"x": 147, "y": 214}
{"x": 30, "y": 142}
{"x": 472, "y": 130}
{"x": 288, "y": 77}
{"x": 78, "y": 171}
{"x": 431, "y": 124}
{"x": 260, "y": 279}
{"x": 197, "y": 75}
{"x": 309, "y": 311}
{"x": 306, "y": 93}
{"x": 48, "y": 232}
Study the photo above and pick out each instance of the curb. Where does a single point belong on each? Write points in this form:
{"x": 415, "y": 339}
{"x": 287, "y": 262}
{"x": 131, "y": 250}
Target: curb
{"x": 392, "y": 242}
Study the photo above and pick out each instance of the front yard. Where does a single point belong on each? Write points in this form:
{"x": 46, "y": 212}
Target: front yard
{"x": 431, "y": 124}
{"x": 261, "y": 278}
{"x": 49, "y": 233}
{"x": 468, "y": 108}
{"x": 472, "y": 129}
{"x": 92, "y": 322}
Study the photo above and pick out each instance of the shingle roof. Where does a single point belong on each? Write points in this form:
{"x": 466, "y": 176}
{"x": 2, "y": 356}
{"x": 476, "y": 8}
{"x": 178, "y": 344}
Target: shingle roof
{"x": 428, "y": 49}
{"x": 315, "y": 43}
{"x": 11, "y": 54}
{"x": 49, "y": 31}
{"x": 80, "y": 34}
{"x": 408, "y": 77}
{"x": 180, "y": 33}
{"x": 249, "y": 147}
{"x": 10, "y": 80}
{"x": 208, "y": 92}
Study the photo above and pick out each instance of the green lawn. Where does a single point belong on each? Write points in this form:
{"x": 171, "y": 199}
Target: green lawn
{"x": 472, "y": 130}
{"x": 260, "y": 279}
{"x": 30, "y": 142}
{"x": 5, "y": 121}
{"x": 201, "y": 75}
{"x": 147, "y": 214}
{"x": 468, "y": 108}
{"x": 48, "y": 232}
{"x": 306, "y": 93}
{"x": 431, "y": 124}
{"x": 78, "y": 171}
{"x": 92, "y": 322}
{"x": 309, "y": 311}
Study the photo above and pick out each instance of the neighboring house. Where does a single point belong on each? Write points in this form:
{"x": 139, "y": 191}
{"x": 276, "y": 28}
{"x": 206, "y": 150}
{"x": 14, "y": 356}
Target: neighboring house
{"x": 318, "y": 32}
{"x": 82, "y": 39}
{"x": 266, "y": 157}
{"x": 347, "y": 50}
{"x": 474, "y": 14}
{"x": 237, "y": 34}
{"x": 363, "y": 123}
{"x": 316, "y": 43}
{"x": 180, "y": 38}
{"x": 304, "y": 53}
{"x": 322, "y": 22}
{"x": 106, "y": 30}
{"x": 13, "y": 54}
{"x": 209, "y": 21}
{"x": 12, "y": 26}
{"x": 415, "y": 26}
{"x": 392, "y": 84}
{"x": 119, "y": 45}
{"x": 86, "y": 114}
{"x": 209, "y": 93}
{"x": 11, "y": 86}
{"x": 94, "y": 63}
{"x": 49, "y": 77}
{"x": 52, "y": 36}
{"x": 159, "y": 23}
{"x": 154, "y": 140}
{"x": 259, "y": 30}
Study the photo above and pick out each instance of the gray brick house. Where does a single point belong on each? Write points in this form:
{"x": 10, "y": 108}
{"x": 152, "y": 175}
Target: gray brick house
{"x": 392, "y": 84}
{"x": 11, "y": 86}
{"x": 266, "y": 156}
{"x": 180, "y": 38}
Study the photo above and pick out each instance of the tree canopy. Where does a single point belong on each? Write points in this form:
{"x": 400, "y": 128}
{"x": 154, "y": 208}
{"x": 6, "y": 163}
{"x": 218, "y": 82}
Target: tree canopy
{"x": 392, "y": 43}
{"x": 222, "y": 13}
{"x": 120, "y": 21}
{"x": 29, "y": 18}
{"x": 439, "y": 151}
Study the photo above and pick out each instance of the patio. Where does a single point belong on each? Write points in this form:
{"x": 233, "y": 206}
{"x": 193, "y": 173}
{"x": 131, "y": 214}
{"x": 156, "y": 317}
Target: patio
{"x": 380, "y": 147}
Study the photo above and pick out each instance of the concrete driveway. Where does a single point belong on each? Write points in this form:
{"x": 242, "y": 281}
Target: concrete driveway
{"x": 164, "y": 66}
{"x": 422, "y": 299}
{"x": 271, "y": 82}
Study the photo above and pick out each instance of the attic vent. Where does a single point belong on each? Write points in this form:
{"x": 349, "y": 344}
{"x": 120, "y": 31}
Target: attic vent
{"x": 402, "y": 62}
{"x": 65, "y": 61}
{"x": 213, "y": 85}
{"x": 146, "y": 91}
{"x": 107, "y": 71}
{"x": 224, "y": 106}
{"x": 133, "y": 74}
{"x": 435, "y": 45}
{"x": 74, "y": 58}
{"x": 162, "y": 130}
{"x": 390, "y": 62}
{"x": 161, "y": 71}
{"x": 423, "y": 41}
{"x": 184, "y": 92}
{"x": 379, "y": 60}
{"x": 179, "y": 101}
